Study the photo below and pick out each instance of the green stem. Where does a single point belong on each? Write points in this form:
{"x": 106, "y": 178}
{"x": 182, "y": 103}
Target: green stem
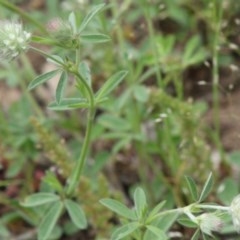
{"x": 153, "y": 44}
{"x": 47, "y": 55}
{"x": 214, "y": 207}
{"x": 142, "y": 234}
{"x": 23, "y": 14}
{"x": 75, "y": 176}
{"x": 117, "y": 11}
{"x": 215, "y": 72}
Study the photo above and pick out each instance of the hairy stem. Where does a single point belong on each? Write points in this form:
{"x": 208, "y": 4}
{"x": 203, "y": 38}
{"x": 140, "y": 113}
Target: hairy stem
{"x": 75, "y": 176}
{"x": 23, "y": 14}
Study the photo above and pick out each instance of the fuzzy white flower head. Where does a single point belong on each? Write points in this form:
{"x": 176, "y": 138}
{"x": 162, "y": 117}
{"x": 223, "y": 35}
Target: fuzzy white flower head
{"x": 209, "y": 222}
{"x": 13, "y": 40}
{"x": 235, "y": 212}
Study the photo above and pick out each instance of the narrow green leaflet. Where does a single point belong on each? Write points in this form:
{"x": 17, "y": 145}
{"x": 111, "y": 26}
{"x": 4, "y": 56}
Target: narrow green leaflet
{"x": 155, "y": 211}
{"x": 166, "y": 221}
{"x": 118, "y": 208}
{"x": 85, "y": 72}
{"x": 49, "y": 221}
{"x": 68, "y": 104}
{"x": 187, "y": 222}
{"x": 51, "y": 180}
{"x": 95, "y": 38}
{"x": 206, "y": 188}
{"x": 43, "y": 40}
{"x": 57, "y": 60}
{"x": 38, "y": 199}
{"x": 141, "y": 93}
{"x": 76, "y": 214}
{"x": 205, "y": 237}
{"x": 196, "y": 235}
{"x": 140, "y": 202}
{"x": 191, "y": 47}
{"x": 158, "y": 232}
{"x": 42, "y": 78}
{"x": 110, "y": 84}
{"x": 61, "y": 86}
{"x": 110, "y": 121}
{"x": 124, "y": 231}
{"x": 192, "y": 188}
{"x": 89, "y": 16}
{"x": 193, "y": 53}
{"x": 73, "y": 22}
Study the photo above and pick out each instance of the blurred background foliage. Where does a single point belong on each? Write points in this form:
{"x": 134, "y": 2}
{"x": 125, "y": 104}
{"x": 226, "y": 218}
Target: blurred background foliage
{"x": 157, "y": 127}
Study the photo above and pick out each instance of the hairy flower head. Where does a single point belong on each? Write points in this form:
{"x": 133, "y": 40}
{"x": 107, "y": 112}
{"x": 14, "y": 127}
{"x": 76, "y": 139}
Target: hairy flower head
{"x": 209, "y": 222}
{"x": 13, "y": 40}
{"x": 62, "y": 32}
{"x": 235, "y": 212}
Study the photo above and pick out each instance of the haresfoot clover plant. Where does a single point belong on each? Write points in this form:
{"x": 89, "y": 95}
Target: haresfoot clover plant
{"x": 62, "y": 197}
{"x": 140, "y": 222}
{"x": 144, "y": 223}
{"x": 209, "y": 223}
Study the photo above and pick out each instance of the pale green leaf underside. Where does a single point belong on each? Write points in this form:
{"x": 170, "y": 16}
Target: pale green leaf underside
{"x": 90, "y": 16}
{"x": 61, "y": 87}
{"x": 111, "y": 84}
{"x": 192, "y": 188}
{"x": 38, "y": 199}
{"x": 124, "y": 231}
{"x": 68, "y": 104}
{"x": 42, "y": 79}
{"x": 118, "y": 208}
{"x": 95, "y": 38}
{"x": 76, "y": 214}
{"x": 206, "y": 188}
{"x": 140, "y": 201}
{"x": 49, "y": 221}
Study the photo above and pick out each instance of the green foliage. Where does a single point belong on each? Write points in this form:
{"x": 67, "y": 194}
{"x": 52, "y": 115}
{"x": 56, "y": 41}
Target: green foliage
{"x": 119, "y": 208}
{"x": 49, "y": 221}
{"x": 110, "y": 84}
{"x": 42, "y": 79}
{"x": 141, "y": 219}
{"x": 61, "y": 87}
{"x": 76, "y": 214}
{"x": 206, "y": 188}
{"x": 89, "y": 17}
{"x": 192, "y": 187}
{"x": 38, "y": 199}
{"x": 140, "y": 116}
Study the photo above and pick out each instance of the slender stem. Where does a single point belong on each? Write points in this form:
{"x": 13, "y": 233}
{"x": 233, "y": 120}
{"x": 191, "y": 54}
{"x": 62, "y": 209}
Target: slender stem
{"x": 23, "y": 14}
{"x": 217, "y": 15}
{"x": 153, "y": 44}
{"x": 47, "y": 55}
{"x": 75, "y": 176}
{"x": 119, "y": 33}
{"x": 142, "y": 235}
{"x": 215, "y": 207}
{"x": 77, "y": 56}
